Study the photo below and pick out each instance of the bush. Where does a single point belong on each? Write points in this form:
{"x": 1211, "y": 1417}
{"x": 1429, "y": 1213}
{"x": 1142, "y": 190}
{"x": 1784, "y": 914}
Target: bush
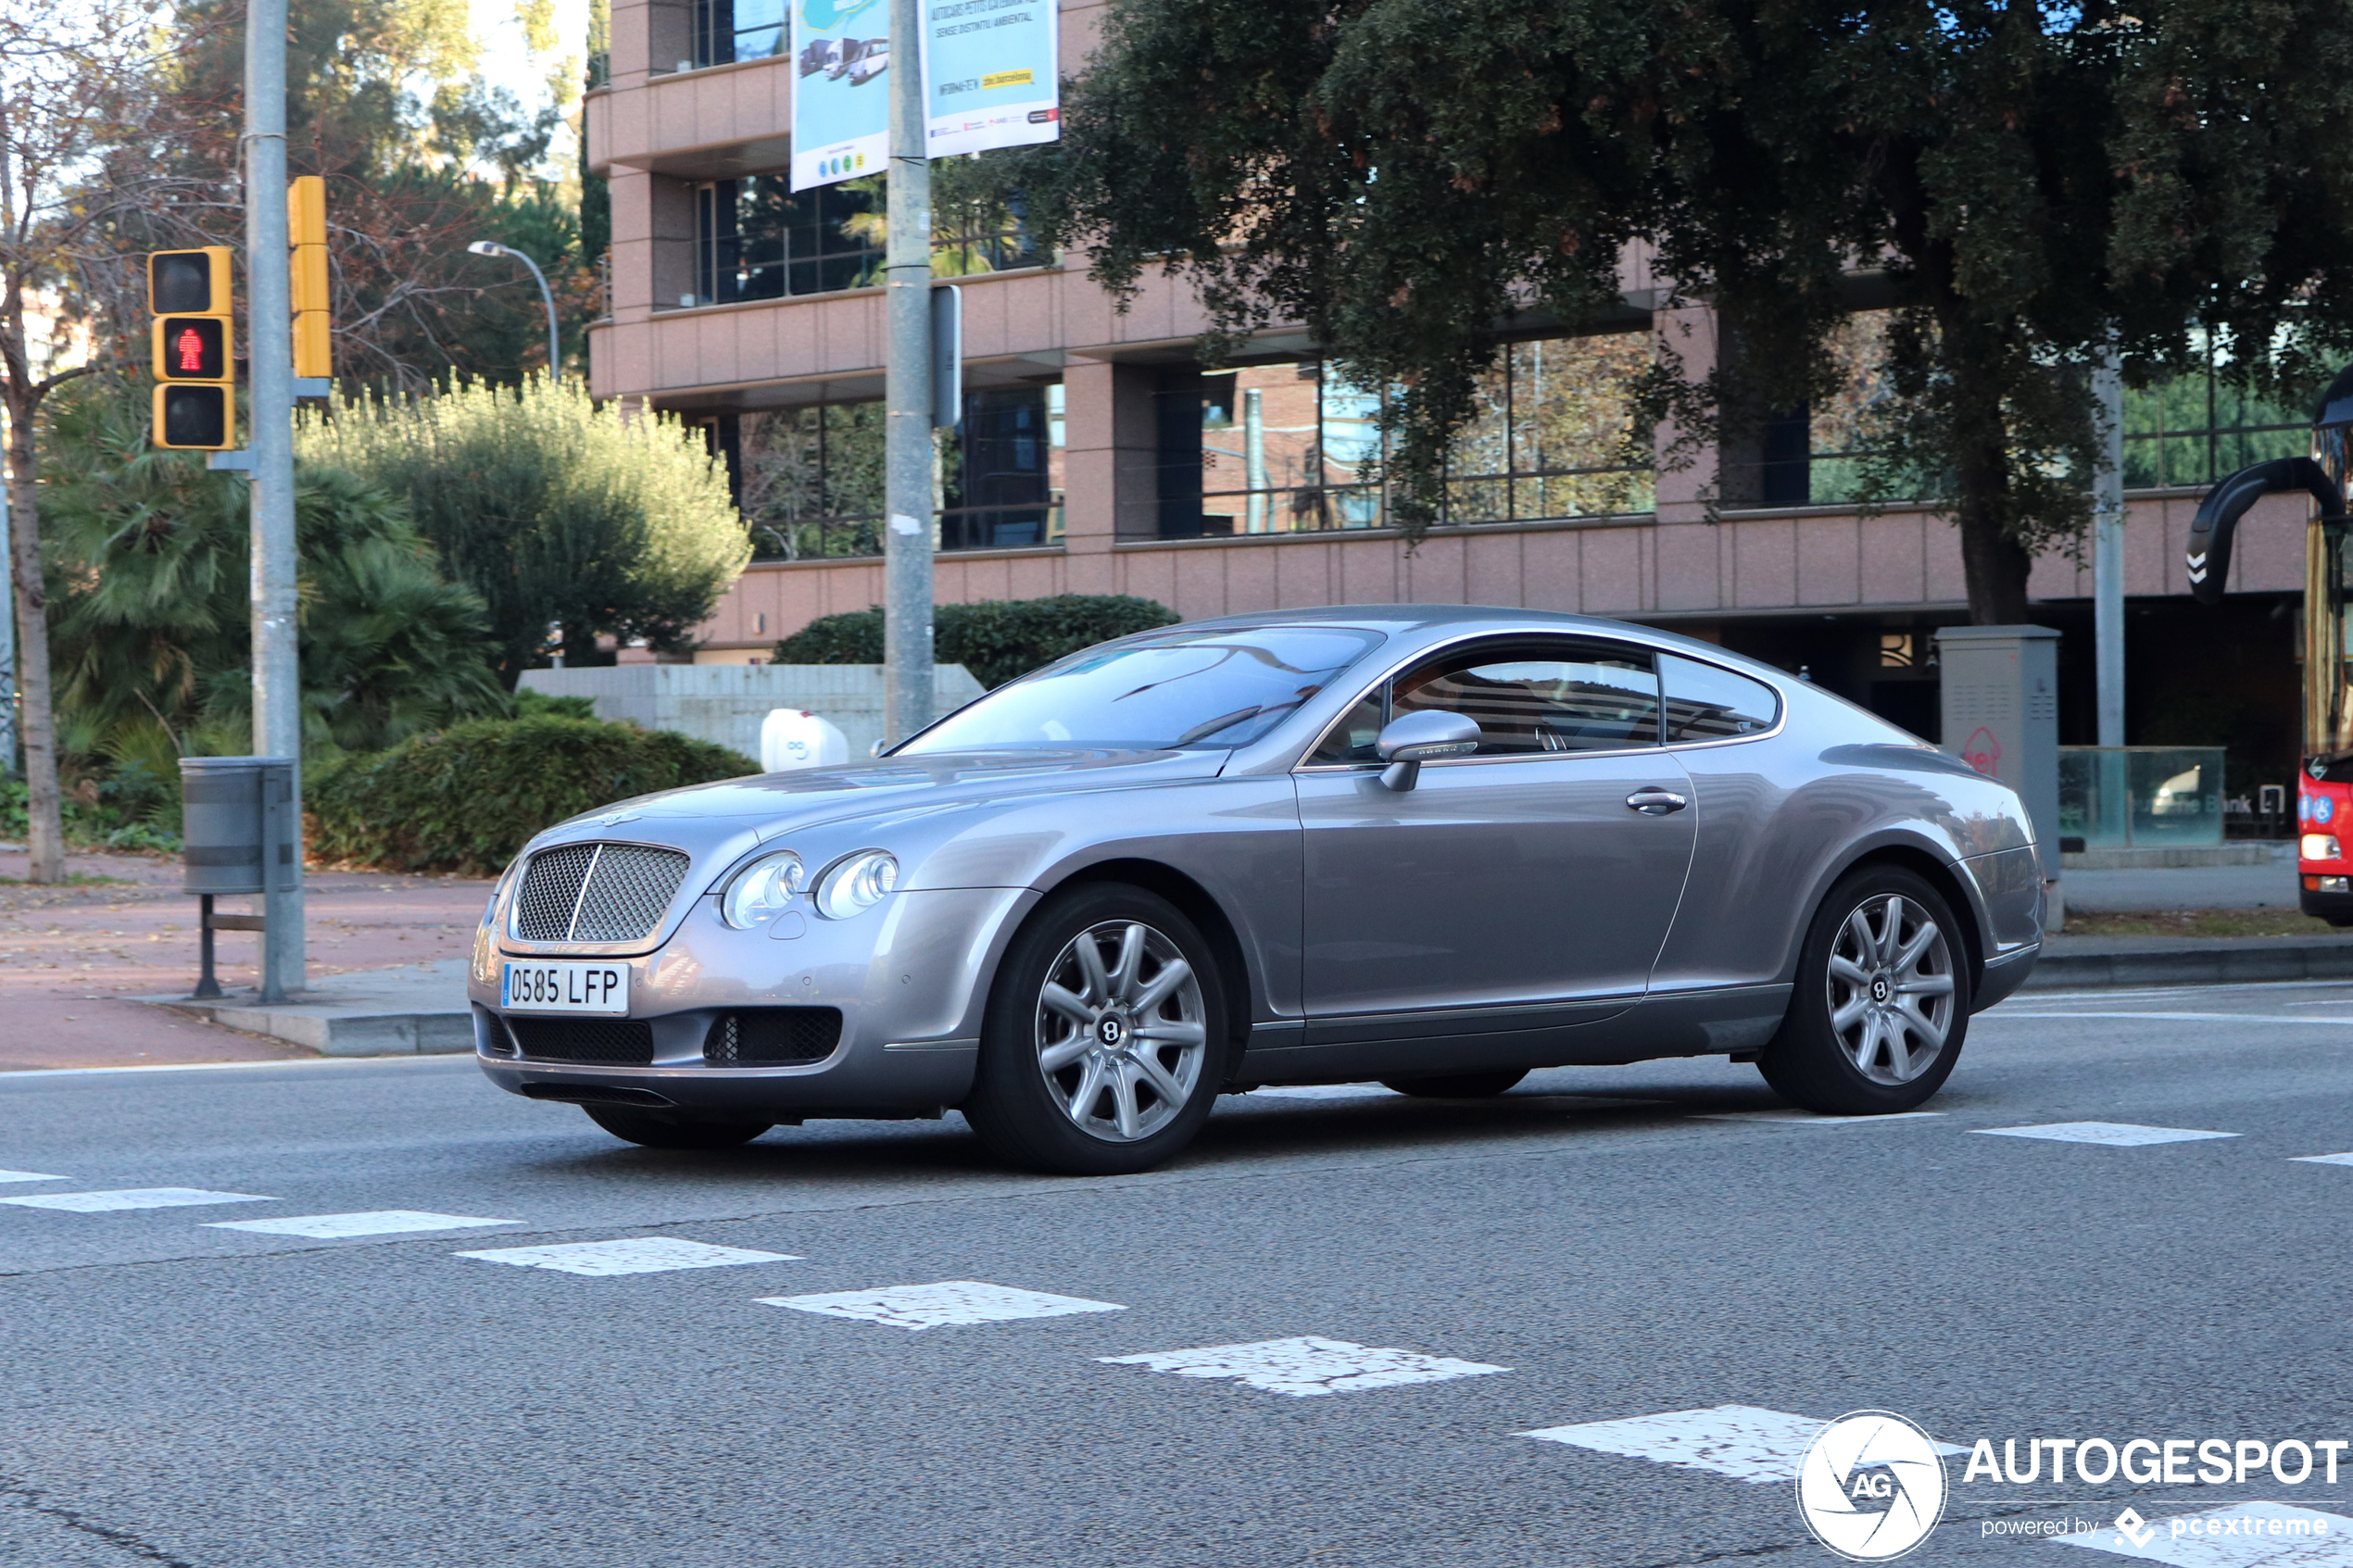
{"x": 996, "y": 639}
{"x": 466, "y": 798}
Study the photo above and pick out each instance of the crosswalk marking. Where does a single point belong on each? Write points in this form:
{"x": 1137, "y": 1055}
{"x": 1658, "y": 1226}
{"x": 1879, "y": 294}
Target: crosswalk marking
{"x": 1306, "y": 1365}
{"x": 381, "y": 1221}
{"x": 29, "y": 1176}
{"x": 2247, "y": 1535}
{"x": 2115, "y": 1134}
{"x": 949, "y": 1303}
{"x": 632, "y": 1255}
{"x": 1809, "y": 1119}
{"x": 1326, "y": 1091}
{"x": 132, "y": 1197}
{"x": 2322, "y": 1159}
{"x": 1746, "y": 1442}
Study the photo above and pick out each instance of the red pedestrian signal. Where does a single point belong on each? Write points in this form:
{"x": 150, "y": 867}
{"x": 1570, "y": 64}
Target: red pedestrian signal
{"x": 192, "y": 348}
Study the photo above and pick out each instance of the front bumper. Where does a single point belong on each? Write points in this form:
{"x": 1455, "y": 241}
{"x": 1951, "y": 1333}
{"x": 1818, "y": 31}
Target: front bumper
{"x": 909, "y": 977}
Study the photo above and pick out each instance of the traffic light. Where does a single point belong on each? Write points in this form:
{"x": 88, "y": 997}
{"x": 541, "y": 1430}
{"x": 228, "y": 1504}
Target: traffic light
{"x": 196, "y": 363}
{"x": 306, "y": 231}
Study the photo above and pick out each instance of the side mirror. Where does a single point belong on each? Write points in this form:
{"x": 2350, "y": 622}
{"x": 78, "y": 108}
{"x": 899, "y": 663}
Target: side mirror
{"x": 1414, "y": 738}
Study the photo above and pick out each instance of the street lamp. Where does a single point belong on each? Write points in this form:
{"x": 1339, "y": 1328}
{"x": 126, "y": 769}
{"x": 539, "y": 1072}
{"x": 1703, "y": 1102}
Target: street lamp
{"x": 492, "y": 247}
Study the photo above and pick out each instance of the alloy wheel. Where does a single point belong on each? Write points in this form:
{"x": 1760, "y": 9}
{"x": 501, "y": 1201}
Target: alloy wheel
{"x": 1891, "y": 988}
{"x": 1120, "y": 1031}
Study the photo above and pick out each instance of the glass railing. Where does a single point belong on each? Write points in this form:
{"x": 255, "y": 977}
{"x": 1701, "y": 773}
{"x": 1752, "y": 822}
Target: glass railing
{"x": 2140, "y": 796}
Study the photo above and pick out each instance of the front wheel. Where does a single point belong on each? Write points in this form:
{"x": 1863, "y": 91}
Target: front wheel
{"x": 1881, "y": 1001}
{"x": 653, "y": 1130}
{"x": 1104, "y": 1044}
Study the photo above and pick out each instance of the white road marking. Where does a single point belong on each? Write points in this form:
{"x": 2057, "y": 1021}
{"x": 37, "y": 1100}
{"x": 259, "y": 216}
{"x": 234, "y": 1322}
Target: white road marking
{"x": 1306, "y": 1365}
{"x": 1743, "y": 1441}
{"x": 132, "y": 1197}
{"x": 1808, "y": 1118}
{"x": 2247, "y": 1535}
{"x": 1326, "y": 1091}
{"x": 381, "y": 1221}
{"x": 2322, "y": 1159}
{"x": 29, "y": 1176}
{"x": 2116, "y": 1135}
{"x": 633, "y": 1255}
{"x": 950, "y": 1303}
{"x": 2183, "y": 1017}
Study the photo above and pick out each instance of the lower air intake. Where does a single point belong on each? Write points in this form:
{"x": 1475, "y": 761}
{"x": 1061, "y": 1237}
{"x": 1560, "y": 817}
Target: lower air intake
{"x": 624, "y": 1041}
{"x": 772, "y": 1037}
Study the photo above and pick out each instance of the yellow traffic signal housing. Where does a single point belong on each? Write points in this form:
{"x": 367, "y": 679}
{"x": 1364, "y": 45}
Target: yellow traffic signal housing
{"x": 195, "y": 343}
{"x": 190, "y": 283}
{"x": 198, "y": 415}
{"x": 306, "y": 231}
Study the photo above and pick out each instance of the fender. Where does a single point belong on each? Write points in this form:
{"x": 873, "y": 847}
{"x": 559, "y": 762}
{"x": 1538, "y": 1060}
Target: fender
{"x": 1980, "y": 937}
{"x": 2217, "y": 515}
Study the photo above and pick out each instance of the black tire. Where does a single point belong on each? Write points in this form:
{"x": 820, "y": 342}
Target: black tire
{"x": 1815, "y": 1065}
{"x": 1458, "y": 1085}
{"x": 656, "y": 1129}
{"x": 1019, "y": 1107}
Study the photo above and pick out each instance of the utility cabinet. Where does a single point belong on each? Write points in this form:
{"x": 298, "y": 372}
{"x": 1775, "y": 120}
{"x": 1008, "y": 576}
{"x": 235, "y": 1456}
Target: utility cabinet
{"x": 2000, "y": 701}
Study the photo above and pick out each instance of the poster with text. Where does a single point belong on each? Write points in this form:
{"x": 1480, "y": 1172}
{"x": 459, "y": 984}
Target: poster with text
{"x": 841, "y": 94}
{"x": 992, "y": 67}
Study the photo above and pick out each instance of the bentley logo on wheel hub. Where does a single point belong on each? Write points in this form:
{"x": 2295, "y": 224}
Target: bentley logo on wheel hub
{"x": 1881, "y": 989}
{"x": 1110, "y": 1031}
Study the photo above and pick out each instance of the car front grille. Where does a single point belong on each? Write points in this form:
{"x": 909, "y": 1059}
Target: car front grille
{"x": 772, "y": 1037}
{"x": 597, "y": 893}
{"x": 622, "y": 1041}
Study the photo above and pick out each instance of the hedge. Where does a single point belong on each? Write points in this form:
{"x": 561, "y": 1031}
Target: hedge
{"x": 465, "y": 798}
{"x": 997, "y": 639}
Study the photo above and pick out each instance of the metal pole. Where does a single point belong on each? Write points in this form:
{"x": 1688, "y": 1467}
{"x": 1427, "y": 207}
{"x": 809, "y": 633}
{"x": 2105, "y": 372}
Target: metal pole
{"x": 2107, "y": 544}
{"x": 492, "y": 247}
{"x": 277, "y": 688}
{"x": 907, "y": 454}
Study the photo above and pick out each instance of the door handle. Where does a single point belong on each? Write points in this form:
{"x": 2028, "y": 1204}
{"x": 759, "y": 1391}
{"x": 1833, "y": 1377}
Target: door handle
{"x": 1656, "y": 802}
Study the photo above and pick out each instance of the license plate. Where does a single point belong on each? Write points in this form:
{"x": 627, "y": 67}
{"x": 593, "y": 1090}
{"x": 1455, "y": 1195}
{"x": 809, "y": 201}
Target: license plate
{"x": 565, "y": 988}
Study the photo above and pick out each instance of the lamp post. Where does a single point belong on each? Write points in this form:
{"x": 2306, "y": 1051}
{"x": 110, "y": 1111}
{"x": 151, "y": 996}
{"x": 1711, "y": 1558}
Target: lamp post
{"x": 492, "y": 247}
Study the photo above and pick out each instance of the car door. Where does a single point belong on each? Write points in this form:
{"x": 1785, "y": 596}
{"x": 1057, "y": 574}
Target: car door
{"x": 1529, "y": 886}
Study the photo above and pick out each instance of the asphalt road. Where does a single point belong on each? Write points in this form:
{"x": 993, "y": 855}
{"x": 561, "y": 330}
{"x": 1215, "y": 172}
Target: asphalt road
{"x": 1597, "y": 1247}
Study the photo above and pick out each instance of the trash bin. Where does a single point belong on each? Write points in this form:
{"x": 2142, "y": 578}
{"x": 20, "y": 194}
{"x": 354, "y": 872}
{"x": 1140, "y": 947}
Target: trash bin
{"x": 236, "y": 817}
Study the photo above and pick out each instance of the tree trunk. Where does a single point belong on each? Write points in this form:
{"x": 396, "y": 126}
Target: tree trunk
{"x": 1993, "y": 563}
{"x": 37, "y": 719}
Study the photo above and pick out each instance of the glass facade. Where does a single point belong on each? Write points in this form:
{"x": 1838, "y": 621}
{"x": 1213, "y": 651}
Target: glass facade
{"x": 2199, "y": 428}
{"x": 728, "y": 30}
{"x": 755, "y": 238}
{"x": 1295, "y": 448}
{"x": 811, "y": 478}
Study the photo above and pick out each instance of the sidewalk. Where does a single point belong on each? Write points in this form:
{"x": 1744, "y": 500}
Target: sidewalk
{"x": 71, "y": 957}
{"x": 2187, "y": 887}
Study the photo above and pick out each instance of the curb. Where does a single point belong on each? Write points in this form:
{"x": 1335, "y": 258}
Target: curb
{"x": 2194, "y": 962}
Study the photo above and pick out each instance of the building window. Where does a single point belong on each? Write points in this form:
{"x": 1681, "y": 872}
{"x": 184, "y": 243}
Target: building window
{"x": 1293, "y": 448}
{"x": 2196, "y": 429}
{"x": 755, "y": 238}
{"x": 813, "y": 477}
{"x": 728, "y": 30}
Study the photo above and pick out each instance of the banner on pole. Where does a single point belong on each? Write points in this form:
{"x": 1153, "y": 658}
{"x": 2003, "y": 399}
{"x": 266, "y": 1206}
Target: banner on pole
{"x": 841, "y": 95}
{"x": 992, "y": 67}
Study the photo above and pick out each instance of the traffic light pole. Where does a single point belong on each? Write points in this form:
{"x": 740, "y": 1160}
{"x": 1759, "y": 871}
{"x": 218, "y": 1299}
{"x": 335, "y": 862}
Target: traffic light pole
{"x": 907, "y": 400}
{"x": 277, "y": 688}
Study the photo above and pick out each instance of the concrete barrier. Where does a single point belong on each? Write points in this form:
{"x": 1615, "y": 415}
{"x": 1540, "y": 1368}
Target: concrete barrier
{"x": 726, "y": 703}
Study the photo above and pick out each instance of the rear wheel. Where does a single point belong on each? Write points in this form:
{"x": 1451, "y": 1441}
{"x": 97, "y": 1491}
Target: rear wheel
{"x": 1882, "y": 1002}
{"x": 1106, "y": 1039}
{"x": 655, "y": 1129}
{"x": 1458, "y": 1085}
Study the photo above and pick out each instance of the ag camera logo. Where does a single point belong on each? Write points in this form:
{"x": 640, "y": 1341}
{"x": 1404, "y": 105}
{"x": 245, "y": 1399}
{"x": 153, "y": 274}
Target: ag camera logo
{"x": 1871, "y": 1487}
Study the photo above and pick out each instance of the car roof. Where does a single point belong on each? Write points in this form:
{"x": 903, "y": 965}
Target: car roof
{"x": 1437, "y": 622}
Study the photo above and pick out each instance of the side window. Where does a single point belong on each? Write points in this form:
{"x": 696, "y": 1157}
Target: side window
{"x": 1706, "y": 703}
{"x": 1351, "y": 739}
{"x": 1542, "y": 697}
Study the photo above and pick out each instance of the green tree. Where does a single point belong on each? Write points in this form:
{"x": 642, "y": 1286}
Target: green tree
{"x": 1409, "y": 177}
{"x": 148, "y": 570}
{"x": 557, "y": 512}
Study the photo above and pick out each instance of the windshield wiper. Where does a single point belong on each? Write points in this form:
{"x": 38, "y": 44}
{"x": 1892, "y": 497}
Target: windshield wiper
{"x": 1226, "y": 720}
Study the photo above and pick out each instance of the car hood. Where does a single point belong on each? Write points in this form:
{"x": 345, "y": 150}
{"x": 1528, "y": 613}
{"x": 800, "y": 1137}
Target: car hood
{"x": 768, "y": 804}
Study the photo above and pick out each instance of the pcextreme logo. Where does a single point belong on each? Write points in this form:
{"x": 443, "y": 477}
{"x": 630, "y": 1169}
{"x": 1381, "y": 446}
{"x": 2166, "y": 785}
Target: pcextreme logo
{"x": 1871, "y": 1487}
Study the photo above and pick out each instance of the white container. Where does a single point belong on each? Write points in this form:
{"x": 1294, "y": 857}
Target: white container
{"x": 790, "y": 738}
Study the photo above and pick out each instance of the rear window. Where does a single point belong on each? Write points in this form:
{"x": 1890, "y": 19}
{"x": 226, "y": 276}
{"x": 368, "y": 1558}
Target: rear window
{"x": 1707, "y": 702}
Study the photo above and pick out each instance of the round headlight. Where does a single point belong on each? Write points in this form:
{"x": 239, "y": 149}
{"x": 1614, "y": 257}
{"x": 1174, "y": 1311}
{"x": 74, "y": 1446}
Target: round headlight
{"x": 760, "y": 892}
{"x": 857, "y": 884}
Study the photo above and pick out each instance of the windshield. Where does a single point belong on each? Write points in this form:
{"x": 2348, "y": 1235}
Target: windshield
{"x": 1199, "y": 690}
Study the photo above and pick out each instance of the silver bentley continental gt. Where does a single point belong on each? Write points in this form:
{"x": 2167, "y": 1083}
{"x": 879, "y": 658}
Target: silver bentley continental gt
{"x": 1437, "y": 847}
